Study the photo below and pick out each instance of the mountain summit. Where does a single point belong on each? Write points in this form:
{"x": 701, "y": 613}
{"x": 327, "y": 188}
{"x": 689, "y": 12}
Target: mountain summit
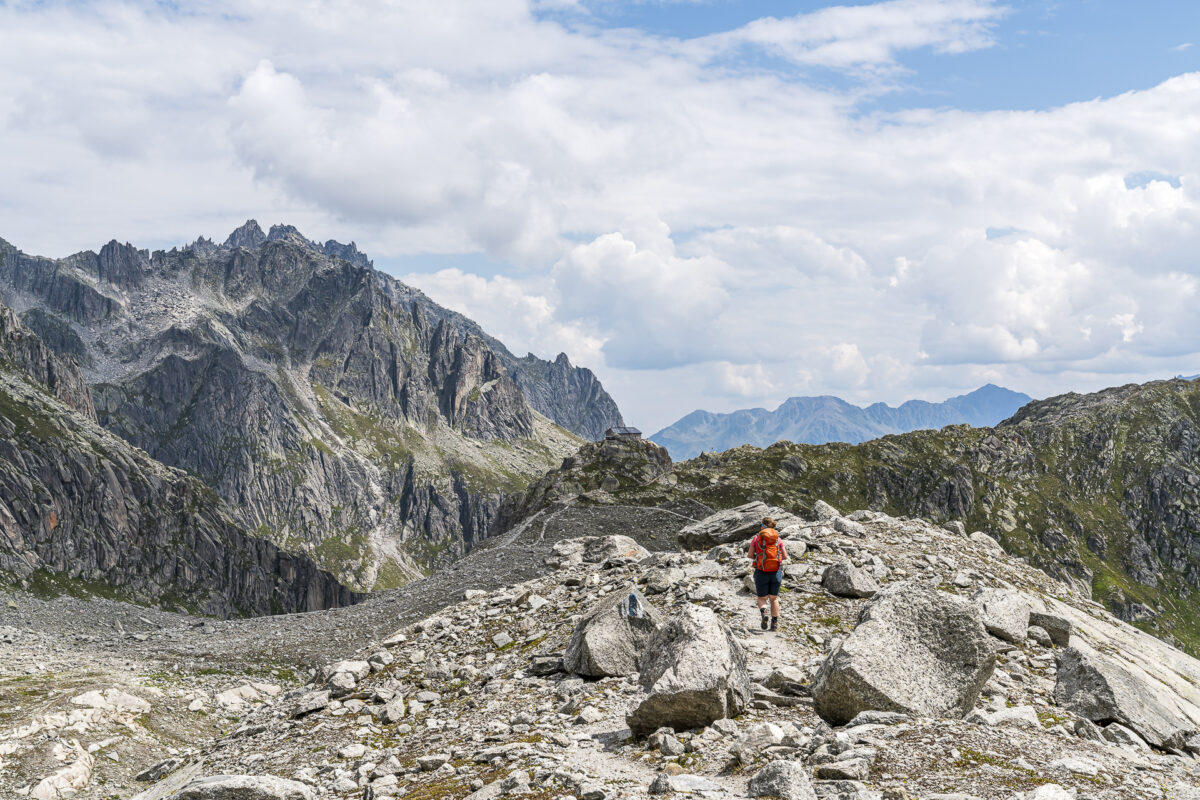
{"x": 339, "y": 412}
{"x": 818, "y": 420}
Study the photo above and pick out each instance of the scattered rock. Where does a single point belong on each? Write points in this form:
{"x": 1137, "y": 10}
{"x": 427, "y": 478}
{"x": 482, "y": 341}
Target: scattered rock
{"x": 1058, "y": 628}
{"x": 732, "y": 525}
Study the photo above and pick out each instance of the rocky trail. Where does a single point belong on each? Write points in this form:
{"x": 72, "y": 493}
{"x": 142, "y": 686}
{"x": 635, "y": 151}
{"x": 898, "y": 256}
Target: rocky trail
{"x": 912, "y": 661}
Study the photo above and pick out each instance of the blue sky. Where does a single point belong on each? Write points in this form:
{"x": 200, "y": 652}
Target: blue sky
{"x": 711, "y": 204}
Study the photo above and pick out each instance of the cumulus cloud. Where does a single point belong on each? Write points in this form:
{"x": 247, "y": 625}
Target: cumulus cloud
{"x": 700, "y": 228}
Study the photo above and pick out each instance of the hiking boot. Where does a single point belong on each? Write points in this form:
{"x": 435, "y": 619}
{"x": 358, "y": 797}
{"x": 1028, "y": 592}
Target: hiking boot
{"x": 764, "y": 621}
{"x": 774, "y": 622}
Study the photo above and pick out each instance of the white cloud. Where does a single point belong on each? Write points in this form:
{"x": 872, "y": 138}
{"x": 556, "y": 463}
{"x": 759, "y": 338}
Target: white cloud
{"x": 701, "y": 231}
{"x": 869, "y": 35}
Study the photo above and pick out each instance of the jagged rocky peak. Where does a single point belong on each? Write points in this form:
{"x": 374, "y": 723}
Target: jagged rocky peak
{"x": 249, "y": 236}
{"x": 339, "y": 411}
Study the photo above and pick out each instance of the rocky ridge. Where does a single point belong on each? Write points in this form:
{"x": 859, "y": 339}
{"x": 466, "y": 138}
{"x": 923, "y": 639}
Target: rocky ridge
{"x": 340, "y": 413}
{"x": 474, "y": 701}
{"x": 80, "y": 506}
{"x": 818, "y": 420}
{"x": 1100, "y": 490}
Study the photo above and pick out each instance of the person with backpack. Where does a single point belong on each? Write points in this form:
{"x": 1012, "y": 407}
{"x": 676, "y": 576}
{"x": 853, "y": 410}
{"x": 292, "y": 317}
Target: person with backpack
{"x": 768, "y": 554}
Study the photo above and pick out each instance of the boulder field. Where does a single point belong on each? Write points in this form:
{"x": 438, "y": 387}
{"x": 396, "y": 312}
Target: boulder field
{"x": 620, "y": 672}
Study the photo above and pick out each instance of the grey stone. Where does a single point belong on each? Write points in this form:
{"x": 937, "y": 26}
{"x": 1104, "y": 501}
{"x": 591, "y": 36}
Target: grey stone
{"x": 846, "y": 580}
{"x": 244, "y": 787}
{"x": 784, "y": 779}
{"x": 1005, "y": 614}
{"x": 1059, "y": 628}
{"x": 845, "y": 790}
{"x": 915, "y": 650}
{"x": 853, "y": 769}
{"x": 683, "y": 784}
{"x": 879, "y": 718}
{"x": 611, "y": 639}
{"x": 732, "y": 525}
{"x": 1119, "y": 734}
{"x": 1039, "y": 634}
{"x": 1098, "y": 688}
{"x": 693, "y": 672}
{"x": 309, "y": 702}
{"x": 823, "y": 512}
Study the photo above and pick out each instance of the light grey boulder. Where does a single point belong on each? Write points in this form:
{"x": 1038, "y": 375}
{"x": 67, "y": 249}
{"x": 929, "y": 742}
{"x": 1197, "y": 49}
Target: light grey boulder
{"x": 682, "y": 784}
{"x": 847, "y": 580}
{"x": 1005, "y": 614}
{"x": 785, "y": 779}
{"x": 244, "y": 787}
{"x": 611, "y": 639}
{"x": 733, "y": 525}
{"x": 823, "y": 512}
{"x": 693, "y": 672}
{"x": 1058, "y": 628}
{"x": 845, "y": 790}
{"x": 915, "y": 650}
{"x": 1102, "y": 690}
{"x": 662, "y": 579}
{"x": 986, "y": 542}
{"x": 849, "y": 527}
{"x": 596, "y": 550}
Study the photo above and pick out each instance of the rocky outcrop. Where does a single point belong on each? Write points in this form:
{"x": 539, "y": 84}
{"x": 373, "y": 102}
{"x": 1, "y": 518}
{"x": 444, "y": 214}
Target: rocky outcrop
{"x": 79, "y": 506}
{"x": 693, "y": 672}
{"x": 337, "y": 411}
{"x": 244, "y": 787}
{"x": 571, "y": 396}
{"x": 915, "y": 650}
{"x": 734, "y": 525}
{"x": 847, "y": 580}
{"x": 611, "y": 640}
{"x": 1103, "y": 691}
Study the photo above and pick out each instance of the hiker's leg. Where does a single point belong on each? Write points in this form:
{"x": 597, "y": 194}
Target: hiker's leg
{"x": 774, "y": 605}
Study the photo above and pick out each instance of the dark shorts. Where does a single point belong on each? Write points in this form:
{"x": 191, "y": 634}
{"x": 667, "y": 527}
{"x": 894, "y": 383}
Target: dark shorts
{"x": 767, "y": 584}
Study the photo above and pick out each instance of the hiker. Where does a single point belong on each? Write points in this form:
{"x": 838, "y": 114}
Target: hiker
{"x": 768, "y": 554}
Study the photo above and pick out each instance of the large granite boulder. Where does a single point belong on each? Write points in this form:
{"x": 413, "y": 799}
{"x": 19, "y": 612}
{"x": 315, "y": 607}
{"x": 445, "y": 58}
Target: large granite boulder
{"x": 611, "y": 639}
{"x": 733, "y": 525}
{"x": 784, "y": 779}
{"x": 915, "y": 650}
{"x": 244, "y": 787}
{"x": 693, "y": 672}
{"x": 847, "y": 580}
{"x": 1103, "y": 690}
{"x": 596, "y": 550}
{"x": 1005, "y": 614}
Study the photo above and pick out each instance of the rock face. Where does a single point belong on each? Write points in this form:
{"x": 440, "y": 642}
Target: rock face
{"x": 611, "y": 640}
{"x": 338, "y": 411}
{"x": 1101, "y": 690}
{"x": 79, "y": 503}
{"x": 915, "y": 650}
{"x": 694, "y": 672}
{"x": 733, "y": 525}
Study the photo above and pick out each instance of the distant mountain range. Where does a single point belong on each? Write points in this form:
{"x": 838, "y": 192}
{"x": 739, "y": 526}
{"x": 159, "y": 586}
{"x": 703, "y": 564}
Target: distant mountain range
{"x": 818, "y": 420}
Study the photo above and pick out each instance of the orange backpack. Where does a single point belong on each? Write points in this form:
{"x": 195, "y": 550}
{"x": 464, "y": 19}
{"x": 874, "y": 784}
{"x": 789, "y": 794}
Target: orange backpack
{"x": 767, "y": 559}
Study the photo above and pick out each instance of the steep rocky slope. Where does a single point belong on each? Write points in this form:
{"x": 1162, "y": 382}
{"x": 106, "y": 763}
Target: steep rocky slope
{"x": 79, "y": 506}
{"x": 470, "y": 697}
{"x": 1100, "y": 490}
{"x": 818, "y": 420}
{"x": 339, "y": 412}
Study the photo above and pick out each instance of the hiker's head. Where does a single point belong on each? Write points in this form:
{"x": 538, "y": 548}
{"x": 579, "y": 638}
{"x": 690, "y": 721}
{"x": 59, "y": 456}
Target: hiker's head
{"x": 768, "y": 522}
